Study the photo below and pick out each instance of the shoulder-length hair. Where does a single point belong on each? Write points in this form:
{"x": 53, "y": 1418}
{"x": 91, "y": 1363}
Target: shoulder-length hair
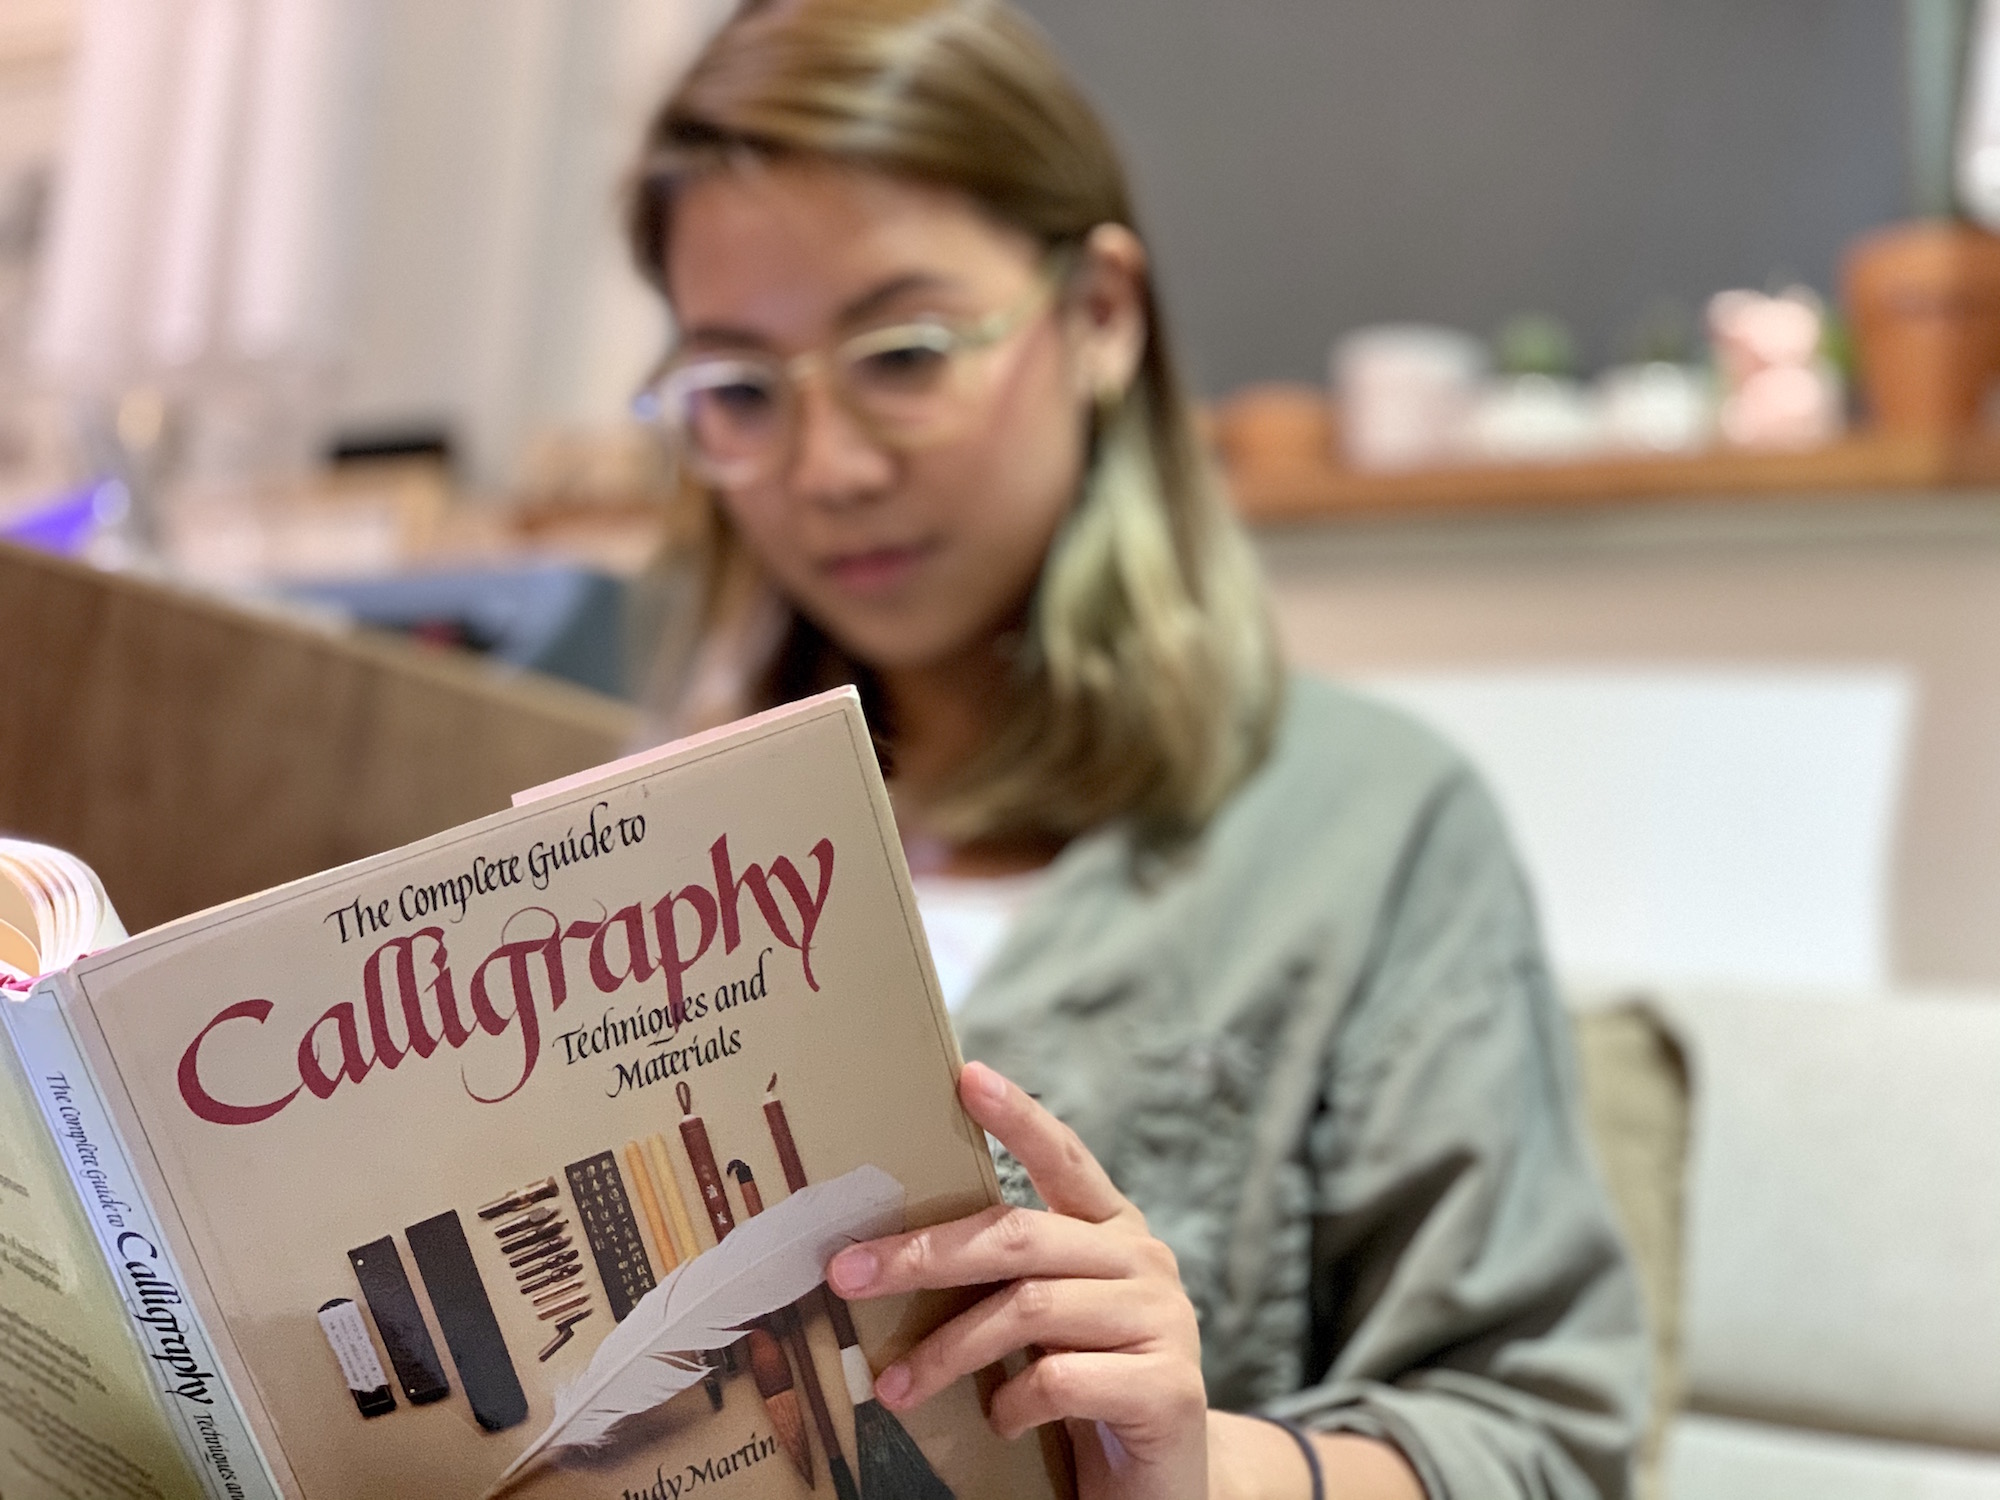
{"x": 1145, "y": 685}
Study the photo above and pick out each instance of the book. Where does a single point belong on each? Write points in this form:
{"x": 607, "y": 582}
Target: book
{"x": 510, "y": 1161}
{"x": 80, "y": 1410}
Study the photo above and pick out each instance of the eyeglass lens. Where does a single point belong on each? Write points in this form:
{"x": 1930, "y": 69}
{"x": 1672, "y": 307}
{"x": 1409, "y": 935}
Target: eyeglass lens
{"x": 737, "y": 417}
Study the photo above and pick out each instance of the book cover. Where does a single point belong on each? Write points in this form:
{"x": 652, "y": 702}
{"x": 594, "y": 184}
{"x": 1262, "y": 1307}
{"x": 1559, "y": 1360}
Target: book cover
{"x": 509, "y": 1162}
{"x": 82, "y": 1411}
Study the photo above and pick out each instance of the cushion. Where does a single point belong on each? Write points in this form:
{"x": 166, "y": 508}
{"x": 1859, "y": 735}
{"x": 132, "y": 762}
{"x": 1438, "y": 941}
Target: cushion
{"x": 1635, "y": 1094}
{"x": 1722, "y": 1458}
{"x": 1844, "y": 1213}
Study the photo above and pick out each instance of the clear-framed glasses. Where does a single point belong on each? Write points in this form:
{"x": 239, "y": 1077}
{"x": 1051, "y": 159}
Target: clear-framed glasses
{"x": 734, "y": 418}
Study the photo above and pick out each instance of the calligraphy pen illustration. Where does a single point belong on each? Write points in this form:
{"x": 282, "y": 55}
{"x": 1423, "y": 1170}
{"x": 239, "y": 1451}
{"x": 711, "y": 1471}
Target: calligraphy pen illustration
{"x": 892, "y": 1466}
{"x": 769, "y": 1262}
{"x": 767, "y": 1360}
{"x": 793, "y": 1332}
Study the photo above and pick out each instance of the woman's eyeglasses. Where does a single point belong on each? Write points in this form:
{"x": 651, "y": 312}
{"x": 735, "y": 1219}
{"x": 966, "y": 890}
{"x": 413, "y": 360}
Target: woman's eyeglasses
{"x": 734, "y": 418}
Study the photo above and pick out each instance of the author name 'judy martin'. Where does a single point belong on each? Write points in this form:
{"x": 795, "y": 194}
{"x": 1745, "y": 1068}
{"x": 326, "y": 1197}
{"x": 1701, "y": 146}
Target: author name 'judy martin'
{"x": 695, "y": 1476}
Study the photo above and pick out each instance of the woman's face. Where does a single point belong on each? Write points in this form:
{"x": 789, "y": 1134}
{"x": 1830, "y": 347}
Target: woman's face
{"x": 907, "y": 557}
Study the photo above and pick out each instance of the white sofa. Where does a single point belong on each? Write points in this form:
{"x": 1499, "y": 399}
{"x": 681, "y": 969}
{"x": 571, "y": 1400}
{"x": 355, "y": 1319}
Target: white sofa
{"x": 1831, "y": 1330}
{"x": 1811, "y": 1181}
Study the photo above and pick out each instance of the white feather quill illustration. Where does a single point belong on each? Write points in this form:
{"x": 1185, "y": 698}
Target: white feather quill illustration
{"x": 768, "y": 1262}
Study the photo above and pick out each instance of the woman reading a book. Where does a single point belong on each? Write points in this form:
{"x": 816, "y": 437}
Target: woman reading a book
{"x": 1250, "y": 975}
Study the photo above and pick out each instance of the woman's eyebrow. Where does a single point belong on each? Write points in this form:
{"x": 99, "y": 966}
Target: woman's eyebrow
{"x": 870, "y": 302}
{"x": 723, "y": 335}
{"x": 896, "y": 287}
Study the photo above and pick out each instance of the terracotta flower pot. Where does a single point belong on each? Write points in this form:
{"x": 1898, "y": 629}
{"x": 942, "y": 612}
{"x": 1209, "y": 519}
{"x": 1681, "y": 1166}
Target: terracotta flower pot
{"x": 1924, "y": 298}
{"x": 1275, "y": 428}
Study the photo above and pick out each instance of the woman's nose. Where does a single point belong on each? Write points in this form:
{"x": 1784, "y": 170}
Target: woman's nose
{"x": 835, "y": 461}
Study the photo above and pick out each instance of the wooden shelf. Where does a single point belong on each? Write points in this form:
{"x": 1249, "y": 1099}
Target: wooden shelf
{"x": 1293, "y": 489}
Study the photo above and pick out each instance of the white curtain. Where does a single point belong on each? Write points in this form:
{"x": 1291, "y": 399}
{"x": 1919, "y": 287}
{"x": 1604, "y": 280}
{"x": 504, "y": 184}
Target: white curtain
{"x": 400, "y": 212}
{"x": 198, "y": 218}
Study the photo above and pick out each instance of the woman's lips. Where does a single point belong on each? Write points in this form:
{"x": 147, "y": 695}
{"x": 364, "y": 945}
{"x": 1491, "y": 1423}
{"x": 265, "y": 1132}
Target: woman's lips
{"x": 877, "y": 570}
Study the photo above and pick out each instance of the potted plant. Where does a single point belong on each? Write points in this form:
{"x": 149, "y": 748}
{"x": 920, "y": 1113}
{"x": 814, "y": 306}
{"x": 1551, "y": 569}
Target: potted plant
{"x": 1924, "y": 295}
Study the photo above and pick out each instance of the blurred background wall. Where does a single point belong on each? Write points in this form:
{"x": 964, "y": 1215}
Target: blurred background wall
{"x": 400, "y": 215}
{"x": 1302, "y": 167}
{"x": 451, "y": 197}
{"x": 1305, "y": 167}
{"x": 492, "y": 293}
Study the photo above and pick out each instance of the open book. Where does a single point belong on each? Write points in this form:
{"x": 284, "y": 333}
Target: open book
{"x": 508, "y": 1162}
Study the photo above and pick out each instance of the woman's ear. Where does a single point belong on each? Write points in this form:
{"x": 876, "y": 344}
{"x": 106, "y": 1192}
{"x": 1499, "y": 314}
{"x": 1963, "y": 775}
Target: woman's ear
{"x": 1109, "y": 309}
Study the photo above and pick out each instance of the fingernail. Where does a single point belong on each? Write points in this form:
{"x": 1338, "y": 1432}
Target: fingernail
{"x": 988, "y": 1084}
{"x": 893, "y": 1384}
{"x": 853, "y": 1271}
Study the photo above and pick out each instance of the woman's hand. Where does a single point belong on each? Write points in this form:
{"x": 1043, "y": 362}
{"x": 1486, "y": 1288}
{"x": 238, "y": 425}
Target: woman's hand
{"x": 1085, "y": 1284}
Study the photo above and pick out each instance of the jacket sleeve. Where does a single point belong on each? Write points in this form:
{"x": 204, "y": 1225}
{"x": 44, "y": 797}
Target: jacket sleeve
{"x": 1471, "y": 1299}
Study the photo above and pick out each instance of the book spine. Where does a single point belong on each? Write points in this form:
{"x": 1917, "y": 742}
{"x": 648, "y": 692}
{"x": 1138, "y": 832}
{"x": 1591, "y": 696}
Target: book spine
{"x": 202, "y": 1411}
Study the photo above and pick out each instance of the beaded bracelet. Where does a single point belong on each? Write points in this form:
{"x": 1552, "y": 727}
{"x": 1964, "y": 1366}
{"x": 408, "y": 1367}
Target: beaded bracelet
{"x": 1304, "y": 1439}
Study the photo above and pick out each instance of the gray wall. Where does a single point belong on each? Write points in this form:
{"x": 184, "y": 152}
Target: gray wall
{"x": 1305, "y": 166}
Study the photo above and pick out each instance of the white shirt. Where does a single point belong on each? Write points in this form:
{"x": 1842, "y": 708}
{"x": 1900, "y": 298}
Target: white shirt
{"x": 967, "y": 918}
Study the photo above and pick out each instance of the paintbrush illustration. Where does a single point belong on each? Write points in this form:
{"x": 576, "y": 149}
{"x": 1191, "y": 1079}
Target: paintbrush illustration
{"x": 793, "y": 1332}
{"x": 892, "y": 1466}
{"x": 780, "y": 1403}
{"x": 704, "y": 1303}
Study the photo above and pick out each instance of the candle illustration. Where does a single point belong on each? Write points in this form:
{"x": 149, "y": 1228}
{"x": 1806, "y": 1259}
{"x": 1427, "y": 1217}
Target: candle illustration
{"x": 782, "y": 1405}
{"x": 688, "y": 1247}
{"x": 680, "y": 1223}
{"x": 892, "y": 1466}
{"x": 649, "y": 1205}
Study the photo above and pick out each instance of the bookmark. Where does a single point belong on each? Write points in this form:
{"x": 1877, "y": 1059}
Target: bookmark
{"x": 348, "y": 1337}
{"x": 889, "y": 1459}
{"x": 399, "y": 1320}
{"x": 471, "y": 1331}
{"x": 613, "y": 1233}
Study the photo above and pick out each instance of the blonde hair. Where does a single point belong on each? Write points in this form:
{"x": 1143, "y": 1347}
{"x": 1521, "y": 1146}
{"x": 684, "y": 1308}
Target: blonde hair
{"x": 1146, "y": 685}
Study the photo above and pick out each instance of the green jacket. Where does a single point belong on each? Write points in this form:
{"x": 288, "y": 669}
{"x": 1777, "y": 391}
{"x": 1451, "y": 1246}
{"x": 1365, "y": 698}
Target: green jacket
{"x": 1322, "y": 1052}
